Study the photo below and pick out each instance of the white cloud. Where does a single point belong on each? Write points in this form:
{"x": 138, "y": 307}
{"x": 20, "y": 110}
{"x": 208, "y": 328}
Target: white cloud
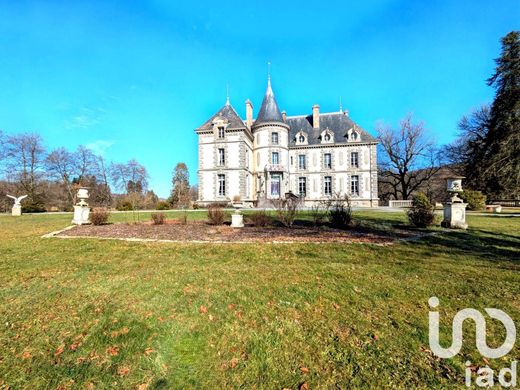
{"x": 99, "y": 147}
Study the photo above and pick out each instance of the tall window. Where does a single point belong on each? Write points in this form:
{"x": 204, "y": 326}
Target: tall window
{"x": 222, "y": 185}
{"x": 275, "y": 158}
{"x": 354, "y": 159}
{"x": 274, "y": 138}
{"x": 275, "y": 185}
{"x": 221, "y": 132}
{"x": 221, "y": 157}
{"x": 302, "y": 186}
{"x": 327, "y": 185}
{"x": 354, "y": 185}
{"x": 302, "y": 161}
{"x": 327, "y": 160}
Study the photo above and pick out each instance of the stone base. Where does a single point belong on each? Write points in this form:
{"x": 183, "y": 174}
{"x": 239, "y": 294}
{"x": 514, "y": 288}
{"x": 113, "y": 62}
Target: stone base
{"x": 16, "y": 211}
{"x": 237, "y": 220}
{"x": 81, "y": 215}
{"x": 454, "y": 216}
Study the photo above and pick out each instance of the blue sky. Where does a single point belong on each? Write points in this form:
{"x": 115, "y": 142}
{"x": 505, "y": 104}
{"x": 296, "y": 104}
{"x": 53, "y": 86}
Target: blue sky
{"x": 133, "y": 79}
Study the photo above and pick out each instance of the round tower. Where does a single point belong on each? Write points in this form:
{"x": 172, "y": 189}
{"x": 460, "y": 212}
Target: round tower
{"x": 271, "y": 149}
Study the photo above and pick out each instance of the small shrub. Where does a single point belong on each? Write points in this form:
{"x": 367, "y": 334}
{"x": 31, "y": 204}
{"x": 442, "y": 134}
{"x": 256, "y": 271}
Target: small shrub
{"x": 339, "y": 211}
{"x": 476, "y": 200}
{"x": 287, "y": 209}
{"x": 319, "y": 211}
{"x": 158, "y": 218}
{"x": 216, "y": 215}
{"x": 99, "y": 216}
{"x": 184, "y": 218}
{"x": 259, "y": 218}
{"x": 162, "y": 205}
{"x": 33, "y": 207}
{"x": 421, "y": 214}
{"x": 124, "y": 205}
{"x": 195, "y": 206}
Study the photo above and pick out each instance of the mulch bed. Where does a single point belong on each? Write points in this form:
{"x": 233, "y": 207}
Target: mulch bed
{"x": 200, "y": 231}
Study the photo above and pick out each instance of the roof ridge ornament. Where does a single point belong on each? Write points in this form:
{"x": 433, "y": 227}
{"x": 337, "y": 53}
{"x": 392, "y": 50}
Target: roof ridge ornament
{"x": 227, "y": 94}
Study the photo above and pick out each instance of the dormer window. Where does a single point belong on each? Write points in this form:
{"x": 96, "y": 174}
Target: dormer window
{"x": 301, "y": 138}
{"x": 352, "y": 135}
{"x": 326, "y": 138}
{"x": 221, "y": 132}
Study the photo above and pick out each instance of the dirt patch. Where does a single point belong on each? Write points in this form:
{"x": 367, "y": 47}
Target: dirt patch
{"x": 202, "y": 232}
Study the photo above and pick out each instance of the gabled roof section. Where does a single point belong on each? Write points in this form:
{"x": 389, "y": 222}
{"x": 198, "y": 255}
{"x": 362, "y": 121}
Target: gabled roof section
{"x": 269, "y": 111}
{"x": 337, "y": 122}
{"x": 227, "y": 113}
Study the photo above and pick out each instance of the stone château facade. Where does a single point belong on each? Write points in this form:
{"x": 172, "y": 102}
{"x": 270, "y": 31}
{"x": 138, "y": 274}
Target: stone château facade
{"x": 312, "y": 156}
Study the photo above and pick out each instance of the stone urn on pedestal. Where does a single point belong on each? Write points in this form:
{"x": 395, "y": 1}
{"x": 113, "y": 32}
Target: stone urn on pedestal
{"x": 237, "y": 218}
{"x": 455, "y": 208}
{"x": 81, "y": 209}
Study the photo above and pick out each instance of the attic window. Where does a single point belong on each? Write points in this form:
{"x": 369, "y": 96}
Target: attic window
{"x": 301, "y": 138}
{"x": 326, "y": 138}
{"x": 221, "y": 132}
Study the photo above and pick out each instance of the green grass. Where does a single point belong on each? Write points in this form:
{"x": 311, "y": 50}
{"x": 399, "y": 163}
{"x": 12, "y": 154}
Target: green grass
{"x": 112, "y": 314}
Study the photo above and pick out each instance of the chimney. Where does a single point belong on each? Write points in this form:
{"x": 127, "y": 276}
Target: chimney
{"x": 249, "y": 113}
{"x": 284, "y": 116}
{"x": 316, "y": 116}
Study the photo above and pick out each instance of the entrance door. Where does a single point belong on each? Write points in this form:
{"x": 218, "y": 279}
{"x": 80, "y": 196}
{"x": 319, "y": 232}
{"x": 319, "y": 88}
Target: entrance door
{"x": 275, "y": 185}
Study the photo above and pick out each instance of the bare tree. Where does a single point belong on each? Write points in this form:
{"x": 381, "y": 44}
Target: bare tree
{"x": 61, "y": 167}
{"x": 409, "y": 159}
{"x": 25, "y": 155}
{"x": 86, "y": 163}
{"x": 129, "y": 177}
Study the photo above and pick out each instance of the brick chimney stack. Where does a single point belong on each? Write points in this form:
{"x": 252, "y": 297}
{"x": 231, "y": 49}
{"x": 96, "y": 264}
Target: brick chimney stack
{"x": 249, "y": 113}
{"x": 284, "y": 116}
{"x": 316, "y": 116}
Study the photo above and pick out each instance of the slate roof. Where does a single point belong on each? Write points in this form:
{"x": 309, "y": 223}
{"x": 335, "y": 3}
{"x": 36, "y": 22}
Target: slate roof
{"x": 337, "y": 122}
{"x": 226, "y": 112}
{"x": 269, "y": 111}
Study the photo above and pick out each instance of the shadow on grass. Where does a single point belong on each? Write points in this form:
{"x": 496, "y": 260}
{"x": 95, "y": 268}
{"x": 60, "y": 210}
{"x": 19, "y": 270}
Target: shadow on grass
{"x": 480, "y": 244}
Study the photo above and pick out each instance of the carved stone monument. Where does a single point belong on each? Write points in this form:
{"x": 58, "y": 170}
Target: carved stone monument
{"x": 16, "y": 211}
{"x": 455, "y": 209}
{"x": 81, "y": 209}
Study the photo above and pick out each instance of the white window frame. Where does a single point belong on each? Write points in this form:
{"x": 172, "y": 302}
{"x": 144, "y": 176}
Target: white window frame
{"x": 275, "y": 138}
{"x": 277, "y": 158}
{"x": 221, "y": 132}
{"x": 329, "y": 165}
{"x": 221, "y": 182}
{"x": 302, "y": 182}
{"x": 327, "y": 185}
{"x": 354, "y": 162}
{"x": 221, "y": 157}
{"x": 300, "y": 165}
{"x": 354, "y": 185}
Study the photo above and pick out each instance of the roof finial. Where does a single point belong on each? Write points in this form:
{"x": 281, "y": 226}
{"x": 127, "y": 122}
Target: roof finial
{"x": 340, "y": 106}
{"x": 227, "y": 94}
{"x": 268, "y": 72}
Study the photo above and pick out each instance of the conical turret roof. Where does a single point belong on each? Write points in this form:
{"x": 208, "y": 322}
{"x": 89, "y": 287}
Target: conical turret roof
{"x": 269, "y": 111}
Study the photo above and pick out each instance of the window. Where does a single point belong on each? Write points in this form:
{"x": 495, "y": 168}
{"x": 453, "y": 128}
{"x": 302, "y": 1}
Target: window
{"x": 274, "y": 138}
{"x": 302, "y": 186}
{"x": 302, "y": 161}
{"x": 275, "y": 185}
{"x": 354, "y": 185}
{"x": 301, "y": 138}
{"x": 354, "y": 159}
{"x": 221, "y": 132}
{"x": 326, "y": 138}
{"x": 354, "y": 136}
{"x": 221, "y": 185}
{"x": 221, "y": 157}
{"x": 327, "y": 189}
{"x": 327, "y": 160}
{"x": 275, "y": 158}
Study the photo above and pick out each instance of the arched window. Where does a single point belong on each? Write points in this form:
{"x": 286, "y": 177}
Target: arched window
{"x": 301, "y": 138}
{"x": 327, "y": 137}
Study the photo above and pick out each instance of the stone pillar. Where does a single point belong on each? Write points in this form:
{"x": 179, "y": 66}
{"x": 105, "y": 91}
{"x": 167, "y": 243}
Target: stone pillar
{"x": 237, "y": 220}
{"x": 16, "y": 211}
{"x": 454, "y": 215}
{"x": 81, "y": 209}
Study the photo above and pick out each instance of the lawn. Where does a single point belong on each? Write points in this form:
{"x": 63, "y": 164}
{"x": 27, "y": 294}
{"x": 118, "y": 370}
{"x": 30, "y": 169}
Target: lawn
{"x": 81, "y": 313}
